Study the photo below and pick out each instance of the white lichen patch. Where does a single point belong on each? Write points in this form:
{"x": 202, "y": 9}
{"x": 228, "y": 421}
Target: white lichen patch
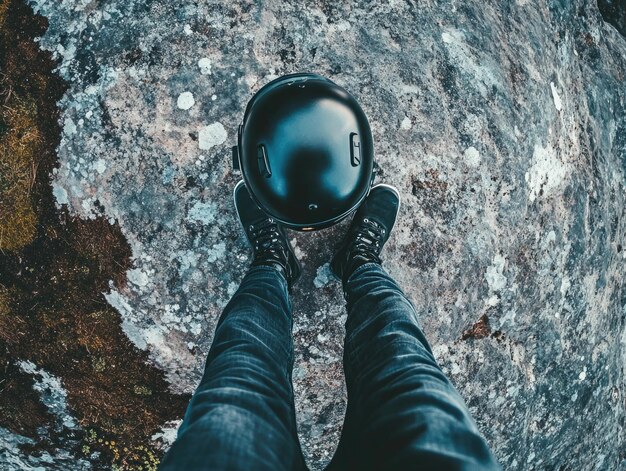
{"x": 565, "y": 286}
{"x": 297, "y": 249}
{"x": 167, "y": 435}
{"x": 546, "y": 174}
{"x": 494, "y": 276}
{"x": 205, "y": 65}
{"x": 492, "y": 301}
{"x": 185, "y": 100}
{"x": 211, "y": 136}
{"x": 449, "y": 38}
{"x": 12, "y": 456}
{"x": 558, "y": 104}
{"x": 119, "y": 302}
{"x": 343, "y": 25}
{"x": 232, "y": 288}
{"x": 52, "y": 393}
{"x": 202, "y": 212}
{"x": 472, "y": 156}
{"x": 440, "y": 352}
{"x": 138, "y": 277}
{"x": 323, "y": 276}
{"x": 100, "y": 166}
{"x": 406, "y": 123}
{"x": 216, "y": 252}
{"x": 188, "y": 259}
{"x": 60, "y": 194}
{"x": 69, "y": 127}
{"x": 152, "y": 338}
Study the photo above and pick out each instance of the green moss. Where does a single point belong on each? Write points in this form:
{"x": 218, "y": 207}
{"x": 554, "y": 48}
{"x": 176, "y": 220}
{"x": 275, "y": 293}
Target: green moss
{"x": 142, "y": 390}
{"x": 99, "y": 364}
{"x": 123, "y": 457}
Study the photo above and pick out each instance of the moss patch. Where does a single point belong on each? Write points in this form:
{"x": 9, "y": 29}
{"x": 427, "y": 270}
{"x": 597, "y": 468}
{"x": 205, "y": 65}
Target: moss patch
{"x": 19, "y": 147}
{"x": 53, "y": 270}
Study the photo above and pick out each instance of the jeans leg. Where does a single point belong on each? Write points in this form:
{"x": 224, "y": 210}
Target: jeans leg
{"x": 242, "y": 415}
{"x": 403, "y": 413}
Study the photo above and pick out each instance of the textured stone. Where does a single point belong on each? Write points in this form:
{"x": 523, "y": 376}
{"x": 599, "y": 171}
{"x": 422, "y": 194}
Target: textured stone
{"x": 503, "y": 125}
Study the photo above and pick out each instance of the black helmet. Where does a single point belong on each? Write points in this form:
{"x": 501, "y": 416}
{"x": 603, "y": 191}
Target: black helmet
{"x": 305, "y": 150}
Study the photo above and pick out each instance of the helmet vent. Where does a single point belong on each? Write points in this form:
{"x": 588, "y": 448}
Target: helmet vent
{"x": 264, "y": 163}
{"x": 355, "y": 149}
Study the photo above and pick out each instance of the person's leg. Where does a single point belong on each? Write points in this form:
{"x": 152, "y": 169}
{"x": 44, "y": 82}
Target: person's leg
{"x": 403, "y": 413}
{"x": 242, "y": 415}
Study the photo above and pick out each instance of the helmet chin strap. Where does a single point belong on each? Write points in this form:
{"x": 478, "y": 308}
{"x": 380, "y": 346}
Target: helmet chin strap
{"x": 236, "y": 165}
{"x": 235, "y": 149}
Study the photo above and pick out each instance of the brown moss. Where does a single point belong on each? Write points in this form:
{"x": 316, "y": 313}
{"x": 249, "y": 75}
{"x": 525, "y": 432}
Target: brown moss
{"x": 20, "y": 407}
{"x": 17, "y": 228}
{"x": 479, "y": 330}
{"x": 19, "y": 147}
{"x": 432, "y": 182}
{"x": 53, "y": 271}
{"x": 4, "y": 7}
{"x": 4, "y": 301}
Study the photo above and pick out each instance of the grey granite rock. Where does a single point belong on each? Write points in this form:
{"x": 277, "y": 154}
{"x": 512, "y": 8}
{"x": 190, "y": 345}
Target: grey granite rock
{"x": 614, "y": 12}
{"x": 503, "y": 124}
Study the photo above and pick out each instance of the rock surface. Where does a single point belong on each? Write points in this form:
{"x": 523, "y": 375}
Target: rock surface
{"x": 504, "y": 127}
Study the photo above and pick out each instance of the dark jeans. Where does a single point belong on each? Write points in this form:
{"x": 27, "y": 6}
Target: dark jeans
{"x": 402, "y": 413}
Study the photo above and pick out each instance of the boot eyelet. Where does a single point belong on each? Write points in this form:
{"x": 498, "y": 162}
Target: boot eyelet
{"x": 366, "y": 220}
{"x": 250, "y": 227}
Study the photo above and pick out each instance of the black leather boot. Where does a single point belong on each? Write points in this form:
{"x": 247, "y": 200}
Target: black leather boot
{"x": 368, "y": 231}
{"x": 268, "y": 239}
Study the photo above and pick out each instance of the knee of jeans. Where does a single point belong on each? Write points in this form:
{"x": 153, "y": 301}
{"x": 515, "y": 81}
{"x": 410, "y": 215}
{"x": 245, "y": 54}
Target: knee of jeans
{"x": 259, "y": 333}
{"x": 386, "y": 330}
{"x": 229, "y": 437}
{"x": 224, "y": 423}
{"x": 387, "y": 304}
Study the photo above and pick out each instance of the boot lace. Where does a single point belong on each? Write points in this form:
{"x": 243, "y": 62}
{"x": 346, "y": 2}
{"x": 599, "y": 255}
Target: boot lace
{"x": 265, "y": 236}
{"x": 368, "y": 240}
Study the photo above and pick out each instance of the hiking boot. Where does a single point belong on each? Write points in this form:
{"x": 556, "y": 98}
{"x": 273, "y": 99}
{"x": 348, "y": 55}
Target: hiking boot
{"x": 368, "y": 231}
{"x": 268, "y": 239}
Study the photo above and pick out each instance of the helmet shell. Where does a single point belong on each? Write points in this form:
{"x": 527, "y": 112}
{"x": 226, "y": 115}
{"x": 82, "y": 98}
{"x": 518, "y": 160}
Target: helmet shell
{"x": 305, "y": 151}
